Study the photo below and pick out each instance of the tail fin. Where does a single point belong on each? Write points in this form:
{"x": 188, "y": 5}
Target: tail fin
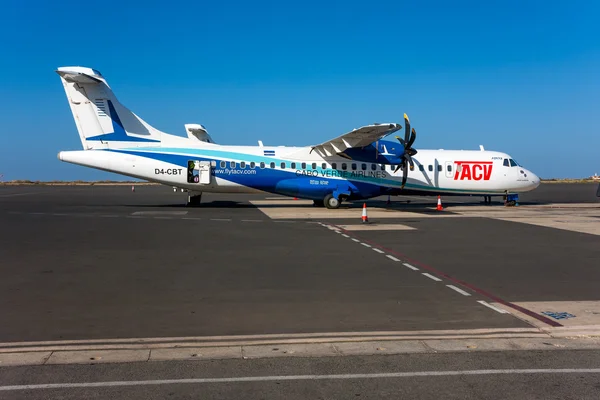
{"x": 101, "y": 120}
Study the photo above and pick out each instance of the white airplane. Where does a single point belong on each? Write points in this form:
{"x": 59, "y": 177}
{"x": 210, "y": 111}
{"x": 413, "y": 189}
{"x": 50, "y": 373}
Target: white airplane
{"x": 354, "y": 166}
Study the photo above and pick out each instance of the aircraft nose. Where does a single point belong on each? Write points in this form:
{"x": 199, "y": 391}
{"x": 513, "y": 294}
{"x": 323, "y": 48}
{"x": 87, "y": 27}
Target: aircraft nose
{"x": 534, "y": 179}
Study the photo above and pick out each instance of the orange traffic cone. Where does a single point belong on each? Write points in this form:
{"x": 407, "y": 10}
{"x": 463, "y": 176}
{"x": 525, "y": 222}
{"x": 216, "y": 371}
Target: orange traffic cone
{"x": 132, "y": 188}
{"x": 439, "y": 204}
{"x": 365, "y": 218}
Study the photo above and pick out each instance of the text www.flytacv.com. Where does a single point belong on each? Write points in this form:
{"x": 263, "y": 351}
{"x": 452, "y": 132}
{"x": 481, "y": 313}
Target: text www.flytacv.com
{"x": 235, "y": 171}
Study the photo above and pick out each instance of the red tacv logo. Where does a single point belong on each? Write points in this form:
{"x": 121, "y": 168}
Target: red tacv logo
{"x": 473, "y": 170}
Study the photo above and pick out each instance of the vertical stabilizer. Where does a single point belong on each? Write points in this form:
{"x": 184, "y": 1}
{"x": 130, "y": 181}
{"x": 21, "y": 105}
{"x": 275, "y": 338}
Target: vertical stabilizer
{"x": 102, "y": 121}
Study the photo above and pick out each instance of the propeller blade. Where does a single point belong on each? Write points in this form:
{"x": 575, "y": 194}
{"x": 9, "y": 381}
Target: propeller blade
{"x": 397, "y": 168}
{"x": 404, "y": 176}
{"x": 413, "y": 136}
{"x": 407, "y": 126}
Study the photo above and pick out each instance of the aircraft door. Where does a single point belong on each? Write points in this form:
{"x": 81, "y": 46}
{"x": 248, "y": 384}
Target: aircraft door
{"x": 199, "y": 172}
{"x": 448, "y": 168}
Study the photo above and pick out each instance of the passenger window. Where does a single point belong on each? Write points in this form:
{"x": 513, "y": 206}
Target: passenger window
{"x": 430, "y": 168}
{"x": 333, "y": 165}
{"x": 344, "y": 166}
{"x": 213, "y": 163}
{"x": 303, "y": 165}
{"x": 421, "y": 168}
{"x": 282, "y": 165}
{"x": 252, "y": 164}
{"x": 353, "y": 166}
{"x": 314, "y": 165}
{"x": 383, "y": 167}
{"x": 324, "y": 165}
{"x": 512, "y": 163}
{"x": 449, "y": 168}
{"x": 293, "y": 165}
{"x": 224, "y": 164}
{"x": 272, "y": 165}
{"x": 373, "y": 167}
{"x": 505, "y": 162}
{"x": 439, "y": 168}
{"x": 232, "y": 164}
{"x": 262, "y": 164}
{"x": 243, "y": 164}
{"x": 363, "y": 167}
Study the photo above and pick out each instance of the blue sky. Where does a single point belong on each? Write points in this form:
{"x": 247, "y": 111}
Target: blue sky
{"x": 516, "y": 76}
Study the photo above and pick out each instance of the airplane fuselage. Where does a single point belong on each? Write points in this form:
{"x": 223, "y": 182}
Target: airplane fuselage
{"x": 296, "y": 171}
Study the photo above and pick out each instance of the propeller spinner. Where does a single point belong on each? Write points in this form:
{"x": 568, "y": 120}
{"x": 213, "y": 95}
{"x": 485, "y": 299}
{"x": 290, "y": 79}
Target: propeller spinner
{"x": 409, "y": 138}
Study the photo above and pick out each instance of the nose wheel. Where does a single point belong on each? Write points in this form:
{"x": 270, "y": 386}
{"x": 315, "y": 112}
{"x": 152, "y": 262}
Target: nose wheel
{"x": 331, "y": 202}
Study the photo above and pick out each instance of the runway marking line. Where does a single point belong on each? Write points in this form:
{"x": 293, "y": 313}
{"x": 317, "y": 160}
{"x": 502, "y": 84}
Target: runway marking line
{"x": 377, "y": 250}
{"x": 407, "y": 265}
{"x": 271, "y": 378}
{"x": 344, "y": 235}
{"x": 365, "y": 244}
{"x": 459, "y": 290}
{"x": 488, "y": 305}
{"x": 461, "y": 282}
{"x": 392, "y": 258}
{"x": 435, "y": 278}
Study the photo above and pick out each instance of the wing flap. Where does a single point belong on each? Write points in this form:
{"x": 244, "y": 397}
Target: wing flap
{"x": 360, "y": 137}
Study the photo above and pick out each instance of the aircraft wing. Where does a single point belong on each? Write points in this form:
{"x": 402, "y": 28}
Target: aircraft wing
{"x": 360, "y": 137}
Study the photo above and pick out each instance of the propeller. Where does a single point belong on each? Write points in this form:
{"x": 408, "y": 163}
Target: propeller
{"x": 409, "y": 138}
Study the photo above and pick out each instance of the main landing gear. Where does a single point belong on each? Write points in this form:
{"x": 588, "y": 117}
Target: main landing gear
{"x": 487, "y": 199}
{"x": 331, "y": 202}
{"x": 194, "y": 199}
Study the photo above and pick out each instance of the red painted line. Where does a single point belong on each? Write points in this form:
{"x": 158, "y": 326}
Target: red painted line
{"x": 474, "y": 288}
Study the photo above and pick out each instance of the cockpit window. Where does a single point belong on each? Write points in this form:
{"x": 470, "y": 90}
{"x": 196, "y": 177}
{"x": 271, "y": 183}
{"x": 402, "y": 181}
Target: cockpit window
{"x": 96, "y": 72}
{"x": 505, "y": 163}
{"x": 512, "y": 163}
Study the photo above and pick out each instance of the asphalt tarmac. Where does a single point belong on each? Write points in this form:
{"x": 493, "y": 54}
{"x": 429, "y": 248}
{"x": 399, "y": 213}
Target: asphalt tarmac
{"x": 103, "y": 262}
{"x": 487, "y": 375}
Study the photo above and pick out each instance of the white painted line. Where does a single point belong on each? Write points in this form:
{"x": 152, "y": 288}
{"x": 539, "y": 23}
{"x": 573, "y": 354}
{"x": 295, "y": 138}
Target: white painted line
{"x": 459, "y": 290}
{"x": 366, "y": 245}
{"x": 356, "y": 240}
{"x": 302, "y": 378}
{"x": 344, "y": 235}
{"x": 220, "y": 219}
{"x": 435, "y": 278}
{"x": 488, "y": 305}
{"x": 392, "y": 258}
{"x": 410, "y": 266}
{"x": 379, "y": 251}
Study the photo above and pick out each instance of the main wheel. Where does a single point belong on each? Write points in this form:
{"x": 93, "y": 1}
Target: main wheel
{"x": 331, "y": 202}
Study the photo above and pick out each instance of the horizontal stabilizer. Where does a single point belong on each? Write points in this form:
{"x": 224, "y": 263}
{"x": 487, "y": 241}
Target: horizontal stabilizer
{"x": 80, "y": 75}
